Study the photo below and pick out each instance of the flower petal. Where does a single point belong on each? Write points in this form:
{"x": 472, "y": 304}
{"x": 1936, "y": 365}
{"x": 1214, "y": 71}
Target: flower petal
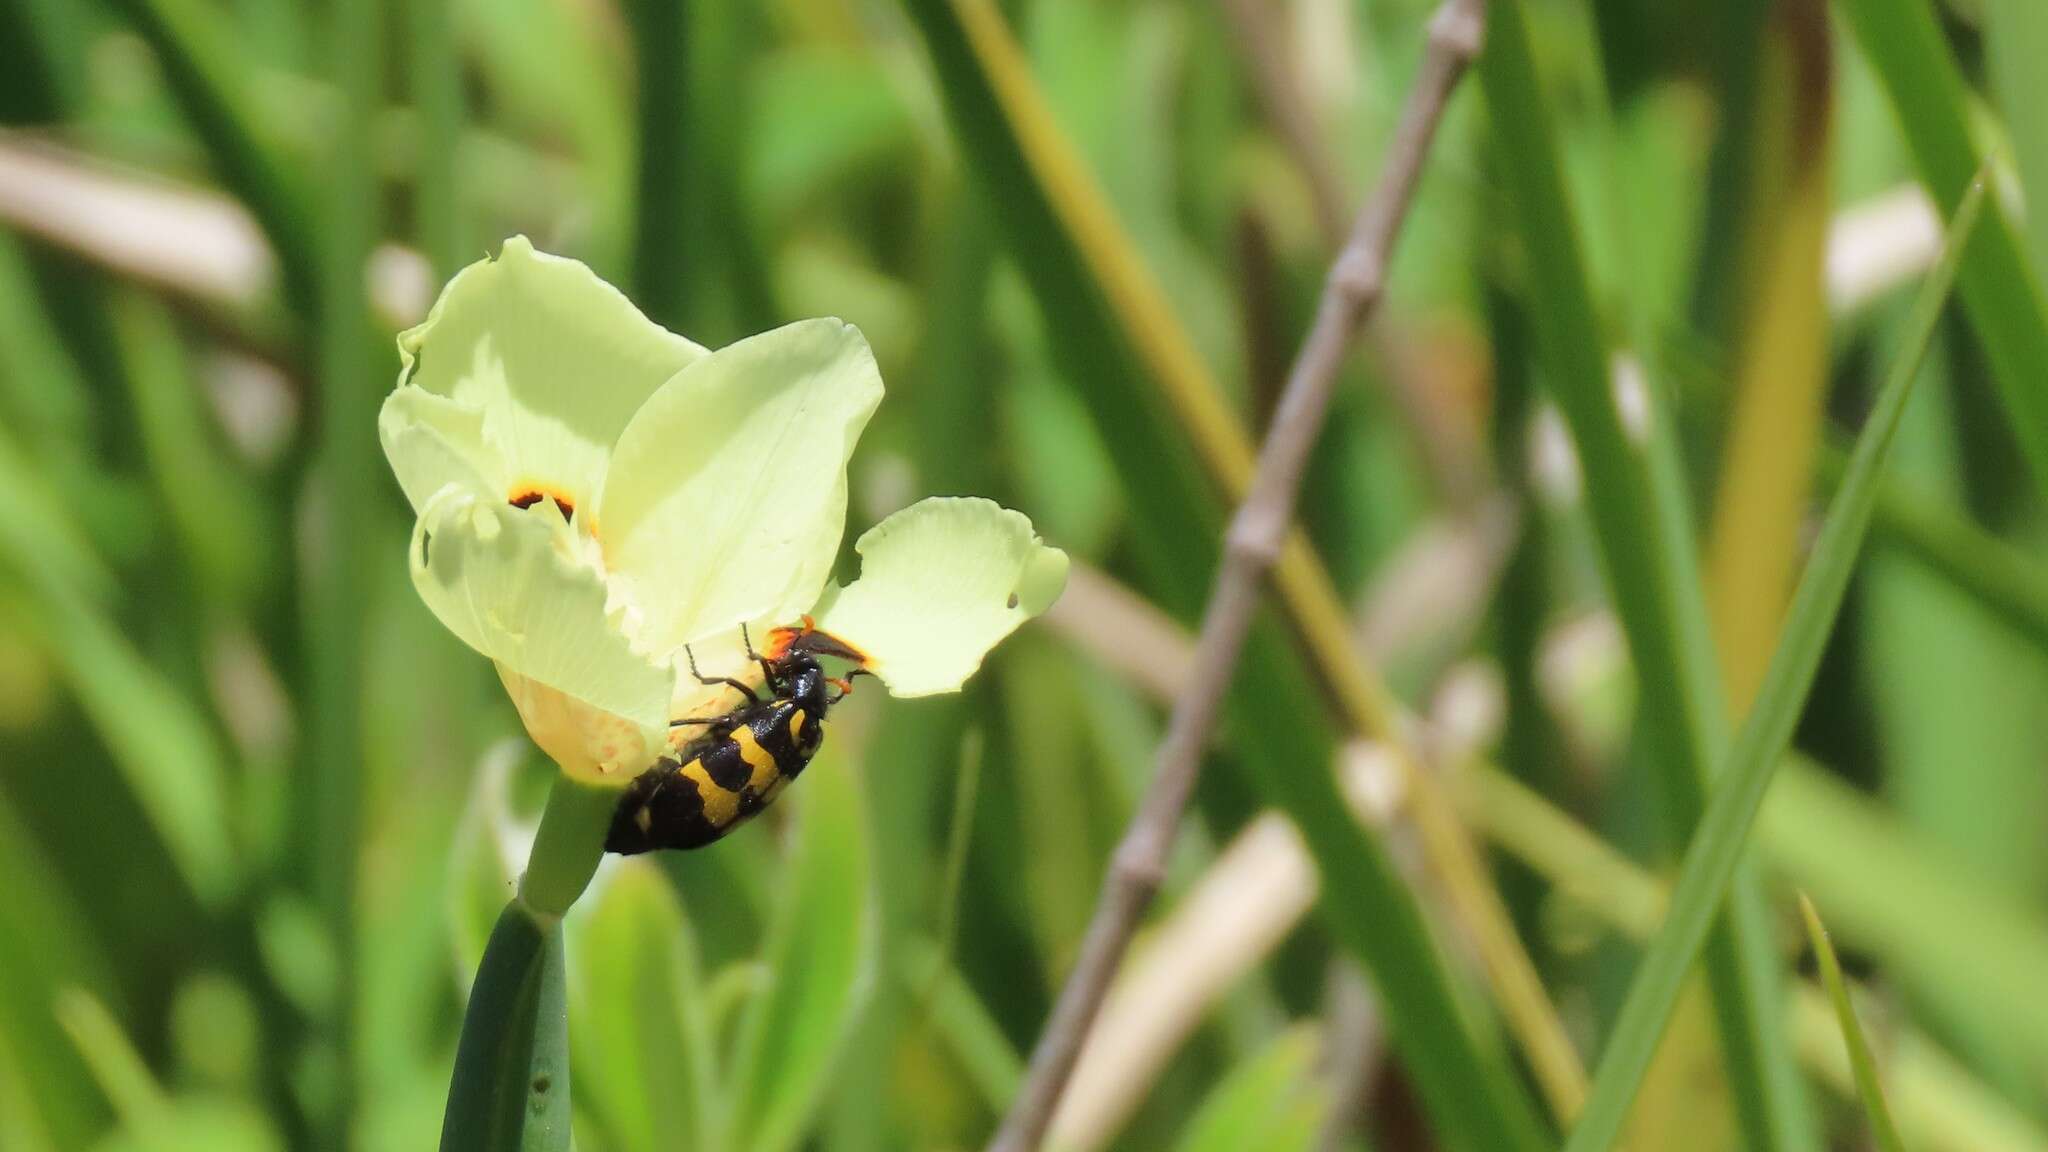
{"x": 941, "y": 582}
{"x": 433, "y": 441}
{"x": 505, "y": 581}
{"x": 554, "y": 359}
{"x": 727, "y": 493}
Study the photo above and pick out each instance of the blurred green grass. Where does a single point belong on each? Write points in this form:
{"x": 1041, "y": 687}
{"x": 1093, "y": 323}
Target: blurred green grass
{"x": 257, "y": 811}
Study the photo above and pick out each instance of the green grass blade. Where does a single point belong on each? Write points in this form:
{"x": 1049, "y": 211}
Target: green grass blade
{"x": 820, "y": 968}
{"x": 1939, "y": 1102}
{"x": 42, "y": 389}
{"x": 1174, "y": 509}
{"x": 1634, "y": 495}
{"x": 327, "y": 813}
{"x": 206, "y": 73}
{"x": 1716, "y": 851}
{"x": 1469, "y": 1095}
{"x": 2000, "y": 292}
{"x": 435, "y": 80}
{"x": 1892, "y": 894}
{"x": 45, "y": 946}
{"x": 162, "y": 743}
{"x": 1270, "y": 1101}
{"x": 151, "y": 1118}
{"x": 548, "y": 70}
{"x": 1939, "y": 1105}
{"x": 510, "y": 1090}
{"x": 961, "y": 1021}
{"x": 2004, "y": 580}
{"x": 478, "y": 875}
{"x": 642, "y": 1039}
{"x": 694, "y": 267}
{"x": 123, "y": 1075}
{"x": 1733, "y": 191}
{"x": 1860, "y": 1062}
{"x": 221, "y": 525}
{"x": 666, "y": 262}
{"x": 2016, "y": 41}
{"x": 40, "y": 540}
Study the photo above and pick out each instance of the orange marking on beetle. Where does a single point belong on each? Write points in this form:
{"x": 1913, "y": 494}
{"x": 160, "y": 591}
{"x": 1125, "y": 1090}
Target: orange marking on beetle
{"x": 815, "y": 640}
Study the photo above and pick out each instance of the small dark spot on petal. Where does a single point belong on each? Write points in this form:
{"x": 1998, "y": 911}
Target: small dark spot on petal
{"x": 426, "y": 538}
{"x": 532, "y": 496}
{"x": 1013, "y": 600}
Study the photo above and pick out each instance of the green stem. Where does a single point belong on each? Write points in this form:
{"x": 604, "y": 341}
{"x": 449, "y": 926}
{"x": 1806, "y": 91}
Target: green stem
{"x": 568, "y": 847}
{"x": 510, "y": 1088}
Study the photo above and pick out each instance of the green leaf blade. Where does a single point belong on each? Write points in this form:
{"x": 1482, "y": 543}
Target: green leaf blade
{"x": 1270, "y": 1101}
{"x": 1905, "y": 44}
{"x": 510, "y": 1090}
{"x": 1717, "y": 850}
{"x": 821, "y": 962}
{"x": 996, "y": 114}
{"x": 642, "y": 1042}
{"x": 207, "y": 76}
{"x": 1634, "y": 497}
{"x": 1860, "y": 1061}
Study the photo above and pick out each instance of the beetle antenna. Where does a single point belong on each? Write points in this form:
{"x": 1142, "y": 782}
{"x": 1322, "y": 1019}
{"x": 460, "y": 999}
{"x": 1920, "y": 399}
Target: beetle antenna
{"x": 767, "y": 670}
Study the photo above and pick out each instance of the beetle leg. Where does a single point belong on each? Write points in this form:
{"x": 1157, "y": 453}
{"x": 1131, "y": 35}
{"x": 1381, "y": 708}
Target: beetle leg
{"x": 725, "y": 680}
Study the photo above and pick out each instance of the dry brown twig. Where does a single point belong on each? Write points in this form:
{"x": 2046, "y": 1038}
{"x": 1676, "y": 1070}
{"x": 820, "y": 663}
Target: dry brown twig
{"x": 1258, "y": 530}
{"x": 1449, "y": 450}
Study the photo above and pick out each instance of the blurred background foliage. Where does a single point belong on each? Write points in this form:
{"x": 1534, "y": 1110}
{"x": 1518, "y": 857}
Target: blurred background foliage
{"x": 257, "y": 811}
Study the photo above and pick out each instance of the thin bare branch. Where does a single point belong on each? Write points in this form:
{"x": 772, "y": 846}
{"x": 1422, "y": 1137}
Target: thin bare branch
{"x": 1448, "y": 446}
{"x": 1257, "y": 532}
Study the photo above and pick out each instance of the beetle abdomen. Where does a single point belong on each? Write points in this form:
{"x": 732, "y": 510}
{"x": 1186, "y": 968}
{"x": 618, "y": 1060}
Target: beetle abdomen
{"x": 714, "y": 784}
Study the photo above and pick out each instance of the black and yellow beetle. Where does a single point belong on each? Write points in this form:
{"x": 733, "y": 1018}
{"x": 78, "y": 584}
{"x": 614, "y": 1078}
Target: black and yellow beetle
{"x": 745, "y": 757}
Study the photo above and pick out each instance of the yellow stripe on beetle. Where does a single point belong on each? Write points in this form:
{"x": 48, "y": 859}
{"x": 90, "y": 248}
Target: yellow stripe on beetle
{"x": 762, "y": 761}
{"x": 720, "y": 807}
{"x": 742, "y": 759}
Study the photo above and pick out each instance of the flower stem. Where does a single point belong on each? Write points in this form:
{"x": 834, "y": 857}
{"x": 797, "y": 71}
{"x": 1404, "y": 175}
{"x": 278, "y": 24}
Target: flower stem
{"x": 567, "y": 848}
{"x": 510, "y": 1087}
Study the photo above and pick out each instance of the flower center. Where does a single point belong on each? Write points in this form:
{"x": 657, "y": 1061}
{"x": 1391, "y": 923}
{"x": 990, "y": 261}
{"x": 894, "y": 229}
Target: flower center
{"x": 528, "y": 497}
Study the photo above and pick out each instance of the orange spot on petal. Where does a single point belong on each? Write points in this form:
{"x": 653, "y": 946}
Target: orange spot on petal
{"x": 528, "y": 497}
